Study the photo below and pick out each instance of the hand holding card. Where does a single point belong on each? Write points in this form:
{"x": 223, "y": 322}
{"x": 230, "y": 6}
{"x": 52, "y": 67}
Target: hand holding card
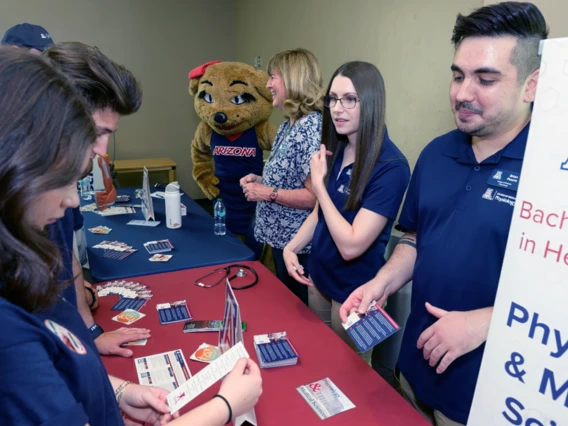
{"x": 370, "y": 329}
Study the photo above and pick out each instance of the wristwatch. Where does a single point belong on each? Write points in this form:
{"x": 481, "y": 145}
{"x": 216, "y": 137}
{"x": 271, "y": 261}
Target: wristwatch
{"x": 273, "y": 195}
{"x": 96, "y": 330}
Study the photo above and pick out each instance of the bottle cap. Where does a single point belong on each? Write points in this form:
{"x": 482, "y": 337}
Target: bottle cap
{"x": 173, "y": 187}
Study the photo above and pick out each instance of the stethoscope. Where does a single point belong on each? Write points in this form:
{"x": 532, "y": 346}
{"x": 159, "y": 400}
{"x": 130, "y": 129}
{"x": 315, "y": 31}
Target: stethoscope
{"x": 226, "y": 271}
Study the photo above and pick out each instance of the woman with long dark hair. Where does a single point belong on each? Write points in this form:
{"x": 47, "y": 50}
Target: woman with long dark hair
{"x": 357, "y": 201}
{"x": 50, "y": 367}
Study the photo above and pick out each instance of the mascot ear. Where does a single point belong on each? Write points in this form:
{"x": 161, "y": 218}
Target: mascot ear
{"x": 196, "y": 74}
{"x": 193, "y": 85}
{"x": 260, "y": 80}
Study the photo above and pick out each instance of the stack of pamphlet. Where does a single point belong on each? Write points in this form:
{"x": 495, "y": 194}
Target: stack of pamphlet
{"x": 173, "y": 312}
{"x": 275, "y": 350}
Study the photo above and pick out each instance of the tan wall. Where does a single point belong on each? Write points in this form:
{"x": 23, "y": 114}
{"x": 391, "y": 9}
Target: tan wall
{"x": 409, "y": 41}
{"x": 159, "y": 41}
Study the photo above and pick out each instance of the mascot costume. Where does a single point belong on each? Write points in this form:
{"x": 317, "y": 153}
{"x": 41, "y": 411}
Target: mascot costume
{"x": 234, "y": 105}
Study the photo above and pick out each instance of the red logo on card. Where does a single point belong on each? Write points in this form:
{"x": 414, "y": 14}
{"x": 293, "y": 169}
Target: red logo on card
{"x": 315, "y": 386}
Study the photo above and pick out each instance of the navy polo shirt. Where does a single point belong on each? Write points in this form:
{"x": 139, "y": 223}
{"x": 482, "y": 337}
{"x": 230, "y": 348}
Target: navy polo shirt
{"x": 383, "y": 193}
{"x": 461, "y": 212}
{"x": 235, "y": 159}
{"x": 51, "y": 371}
{"x": 61, "y": 234}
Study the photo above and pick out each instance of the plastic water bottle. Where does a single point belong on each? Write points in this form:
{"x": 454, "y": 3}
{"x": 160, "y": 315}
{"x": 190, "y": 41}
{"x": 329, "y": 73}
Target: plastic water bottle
{"x": 173, "y": 206}
{"x": 220, "y": 214}
{"x": 86, "y": 188}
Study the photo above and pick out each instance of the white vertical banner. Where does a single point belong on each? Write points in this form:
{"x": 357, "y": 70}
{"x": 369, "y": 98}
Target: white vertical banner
{"x": 147, "y": 203}
{"x": 524, "y": 373}
{"x": 230, "y": 335}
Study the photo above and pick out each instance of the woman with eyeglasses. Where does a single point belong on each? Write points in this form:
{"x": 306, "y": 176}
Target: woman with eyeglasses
{"x": 284, "y": 191}
{"x": 50, "y": 367}
{"x": 357, "y": 201}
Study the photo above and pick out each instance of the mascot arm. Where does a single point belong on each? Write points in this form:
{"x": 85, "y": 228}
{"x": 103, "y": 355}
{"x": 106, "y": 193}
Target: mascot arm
{"x": 265, "y": 133}
{"x": 203, "y": 167}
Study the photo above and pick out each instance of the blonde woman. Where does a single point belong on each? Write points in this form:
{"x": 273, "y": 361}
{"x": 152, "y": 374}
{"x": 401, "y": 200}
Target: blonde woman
{"x": 284, "y": 193}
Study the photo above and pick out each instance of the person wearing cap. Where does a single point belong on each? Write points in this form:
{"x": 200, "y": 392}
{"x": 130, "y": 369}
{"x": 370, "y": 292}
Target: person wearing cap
{"x": 50, "y": 368}
{"x": 29, "y": 36}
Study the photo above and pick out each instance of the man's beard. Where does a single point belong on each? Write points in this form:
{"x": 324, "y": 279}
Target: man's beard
{"x": 479, "y": 130}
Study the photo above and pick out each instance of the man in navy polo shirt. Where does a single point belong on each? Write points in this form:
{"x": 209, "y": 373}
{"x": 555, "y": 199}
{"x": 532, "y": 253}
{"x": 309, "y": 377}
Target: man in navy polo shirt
{"x": 458, "y": 210}
{"x": 111, "y": 91}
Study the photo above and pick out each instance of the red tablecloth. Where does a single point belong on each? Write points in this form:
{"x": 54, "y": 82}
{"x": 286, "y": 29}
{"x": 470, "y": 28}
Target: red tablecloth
{"x": 267, "y": 307}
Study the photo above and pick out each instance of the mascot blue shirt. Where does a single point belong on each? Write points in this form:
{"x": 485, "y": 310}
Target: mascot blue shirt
{"x": 233, "y": 156}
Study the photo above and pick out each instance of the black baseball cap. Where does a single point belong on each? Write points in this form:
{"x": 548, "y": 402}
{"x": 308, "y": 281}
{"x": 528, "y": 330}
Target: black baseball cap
{"x": 29, "y": 36}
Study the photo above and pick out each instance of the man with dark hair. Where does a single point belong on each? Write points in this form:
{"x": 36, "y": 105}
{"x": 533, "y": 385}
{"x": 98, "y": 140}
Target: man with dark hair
{"x": 458, "y": 211}
{"x": 104, "y": 84}
{"x": 32, "y": 37}
{"x": 111, "y": 91}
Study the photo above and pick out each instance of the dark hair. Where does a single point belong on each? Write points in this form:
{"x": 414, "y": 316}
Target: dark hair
{"x": 103, "y": 83}
{"x": 370, "y": 87}
{"x": 46, "y": 131}
{"x": 521, "y": 20}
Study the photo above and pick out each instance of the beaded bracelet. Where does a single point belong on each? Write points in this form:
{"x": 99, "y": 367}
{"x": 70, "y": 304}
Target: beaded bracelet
{"x": 228, "y": 406}
{"x": 118, "y": 393}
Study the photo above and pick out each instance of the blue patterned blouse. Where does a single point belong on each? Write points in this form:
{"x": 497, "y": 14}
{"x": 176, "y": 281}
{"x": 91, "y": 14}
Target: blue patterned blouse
{"x": 287, "y": 168}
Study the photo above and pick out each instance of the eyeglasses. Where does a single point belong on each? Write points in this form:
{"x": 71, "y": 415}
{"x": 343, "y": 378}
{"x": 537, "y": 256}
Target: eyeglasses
{"x": 348, "y": 102}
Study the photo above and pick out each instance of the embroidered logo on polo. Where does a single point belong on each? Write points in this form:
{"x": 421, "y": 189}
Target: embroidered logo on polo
{"x": 488, "y": 195}
{"x": 492, "y": 194}
{"x": 235, "y": 151}
{"x": 344, "y": 189}
{"x": 68, "y": 338}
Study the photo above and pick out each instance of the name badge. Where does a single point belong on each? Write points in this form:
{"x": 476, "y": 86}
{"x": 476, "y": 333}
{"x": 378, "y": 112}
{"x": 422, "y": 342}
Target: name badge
{"x": 504, "y": 179}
